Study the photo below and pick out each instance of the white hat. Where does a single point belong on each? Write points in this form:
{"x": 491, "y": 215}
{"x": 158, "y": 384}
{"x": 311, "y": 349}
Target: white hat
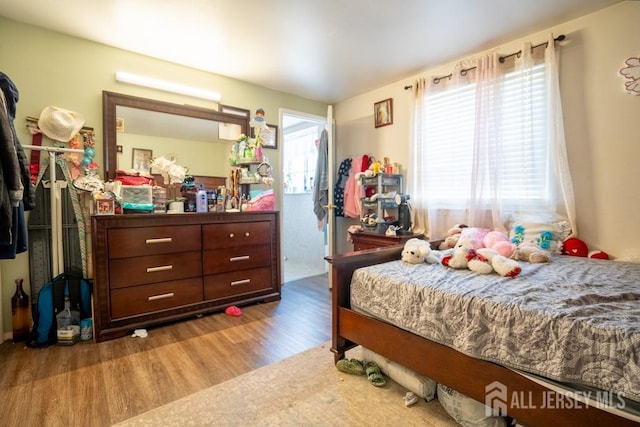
{"x": 60, "y": 124}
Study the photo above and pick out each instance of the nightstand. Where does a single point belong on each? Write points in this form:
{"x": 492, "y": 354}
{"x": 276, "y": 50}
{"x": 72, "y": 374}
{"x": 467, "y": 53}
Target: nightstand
{"x": 366, "y": 240}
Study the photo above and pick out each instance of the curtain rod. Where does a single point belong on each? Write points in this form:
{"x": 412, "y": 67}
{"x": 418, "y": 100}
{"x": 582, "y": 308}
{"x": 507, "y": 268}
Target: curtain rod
{"x": 464, "y": 71}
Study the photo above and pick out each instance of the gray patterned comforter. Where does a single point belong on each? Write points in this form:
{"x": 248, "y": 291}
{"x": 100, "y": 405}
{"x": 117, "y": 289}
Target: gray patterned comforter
{"x": 574, "y": 320}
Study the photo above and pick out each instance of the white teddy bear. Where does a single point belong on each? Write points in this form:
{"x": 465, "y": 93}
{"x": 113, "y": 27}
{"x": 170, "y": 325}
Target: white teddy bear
{"x": 488, "y": 260}
{"x": 417, "y": 251}
{"x": 481, "y": 261}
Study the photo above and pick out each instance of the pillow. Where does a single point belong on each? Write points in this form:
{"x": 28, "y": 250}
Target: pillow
{"x": 466, "y": 411}
{"x": 547, "y": 235}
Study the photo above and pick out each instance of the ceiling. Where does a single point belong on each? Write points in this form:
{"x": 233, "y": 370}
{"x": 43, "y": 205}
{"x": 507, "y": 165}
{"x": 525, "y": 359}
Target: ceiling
{"x": 325, "y": 50}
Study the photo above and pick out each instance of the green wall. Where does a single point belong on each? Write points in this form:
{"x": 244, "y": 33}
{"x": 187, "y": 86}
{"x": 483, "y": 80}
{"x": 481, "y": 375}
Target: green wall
{"x": 53, "y": 69}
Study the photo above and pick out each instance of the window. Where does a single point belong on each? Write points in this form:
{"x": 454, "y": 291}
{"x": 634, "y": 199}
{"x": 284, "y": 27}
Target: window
{"x": 299, "y": 159}
{"x": 520, "y": 151}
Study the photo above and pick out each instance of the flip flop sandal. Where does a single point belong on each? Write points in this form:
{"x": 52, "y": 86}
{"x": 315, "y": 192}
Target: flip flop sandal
{"x": 353, "y": 366}
{"x": 374, "y": 375}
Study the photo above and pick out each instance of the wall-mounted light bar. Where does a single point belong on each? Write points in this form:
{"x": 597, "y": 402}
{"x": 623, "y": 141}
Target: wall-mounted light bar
{"x": 195, "y": 92}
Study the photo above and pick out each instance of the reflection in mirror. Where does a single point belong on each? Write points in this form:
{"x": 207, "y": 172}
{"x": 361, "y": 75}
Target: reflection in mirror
{"x": 197, "y": 138}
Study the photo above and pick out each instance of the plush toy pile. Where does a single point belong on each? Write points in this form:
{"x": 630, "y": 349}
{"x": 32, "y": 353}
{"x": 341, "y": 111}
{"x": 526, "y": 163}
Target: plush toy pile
{"x": 480, "y": 259}
{"x": 486, "y": 251}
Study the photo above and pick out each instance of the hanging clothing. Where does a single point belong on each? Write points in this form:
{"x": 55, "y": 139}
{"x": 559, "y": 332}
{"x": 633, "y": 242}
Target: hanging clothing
{"x": 16, "y": 192}
{"x": 341, "y": 181}
{"x": 352, "y": 191}
{"x": 11, "y": 95}
{"x": 321, "y": 180}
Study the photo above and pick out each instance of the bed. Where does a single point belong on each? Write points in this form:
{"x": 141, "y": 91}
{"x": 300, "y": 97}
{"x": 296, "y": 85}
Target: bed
{"x": 432, "y": 346}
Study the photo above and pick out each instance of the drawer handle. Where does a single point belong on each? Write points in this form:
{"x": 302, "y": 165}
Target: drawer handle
{"x": 160, "y": 268}
{"x": 160, "y": 240}
{"x": 231, "y": 235}
{"x": 161, "y": 296}
{"x": 246, "y": 234}
{"x": 240, "y": 282}
{"x": 239, "y": 258}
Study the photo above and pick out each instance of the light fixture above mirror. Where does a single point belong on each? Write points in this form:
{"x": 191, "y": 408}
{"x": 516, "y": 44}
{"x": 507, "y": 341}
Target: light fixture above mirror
{"x": 135, "y": 79}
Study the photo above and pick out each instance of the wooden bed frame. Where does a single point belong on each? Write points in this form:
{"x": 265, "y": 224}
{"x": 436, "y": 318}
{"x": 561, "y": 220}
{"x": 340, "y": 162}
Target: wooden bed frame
{"x": 465, "y": 374}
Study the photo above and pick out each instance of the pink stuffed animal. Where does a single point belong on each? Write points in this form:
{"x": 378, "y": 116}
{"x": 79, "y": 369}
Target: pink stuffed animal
{"x": 499, "y": 242}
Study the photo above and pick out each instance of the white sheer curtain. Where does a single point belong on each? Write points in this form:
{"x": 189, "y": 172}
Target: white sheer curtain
{"x": 415, "y": 183}
{"x": 488, "y": 145}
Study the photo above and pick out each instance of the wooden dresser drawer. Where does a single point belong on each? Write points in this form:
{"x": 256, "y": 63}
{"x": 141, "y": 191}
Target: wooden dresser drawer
{"x": 237, "y": 283}
{"x": 141, "y": 270}
{"x": 159, "y": 296}
{"x": 235, "y": 234}
{"x": 149, "y": 269}
{"x": 128, "y": 242}
{"x": 240, "y": 258}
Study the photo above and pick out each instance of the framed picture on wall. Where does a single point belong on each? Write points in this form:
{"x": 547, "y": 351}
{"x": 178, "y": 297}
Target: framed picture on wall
{"x": 270, "y": 138}
{"x": 141, "y": 160}
{"x": 383, "y": 112}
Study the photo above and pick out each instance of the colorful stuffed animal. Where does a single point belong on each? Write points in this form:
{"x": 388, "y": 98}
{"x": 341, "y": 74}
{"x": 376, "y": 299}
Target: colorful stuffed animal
{"x": 417, "y": 251}
{"x": 576, "y": 247}
{"x": 458, "y": 257}
{"x": 505, "y": 267}
{"x": 473, "y": 237}
{"x": 531, "y": 252}
{"x": 481, "y": 261}
{"x": 499, "y": 242}
{"x": 451, "y": 240}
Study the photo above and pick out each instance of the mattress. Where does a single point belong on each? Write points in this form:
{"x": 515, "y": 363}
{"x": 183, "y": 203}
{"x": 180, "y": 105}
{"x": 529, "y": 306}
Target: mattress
{"x": 573, "y": 320}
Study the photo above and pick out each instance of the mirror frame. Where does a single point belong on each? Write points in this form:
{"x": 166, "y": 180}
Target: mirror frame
{"x": 110, "y": 100}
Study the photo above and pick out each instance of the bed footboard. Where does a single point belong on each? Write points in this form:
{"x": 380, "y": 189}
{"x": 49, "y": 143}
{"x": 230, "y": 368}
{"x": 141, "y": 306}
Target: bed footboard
{"x": 342, "y": 268}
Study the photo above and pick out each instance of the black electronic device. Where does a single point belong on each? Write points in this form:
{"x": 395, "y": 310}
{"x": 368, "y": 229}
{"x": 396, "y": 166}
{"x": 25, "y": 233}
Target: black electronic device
{"x": 404, "y": 212}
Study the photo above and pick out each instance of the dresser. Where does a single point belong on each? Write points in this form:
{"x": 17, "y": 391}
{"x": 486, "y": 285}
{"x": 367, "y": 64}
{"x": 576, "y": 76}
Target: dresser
{"x": 155, "y": 268}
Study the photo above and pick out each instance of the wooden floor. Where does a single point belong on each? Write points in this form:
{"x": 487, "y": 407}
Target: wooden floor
{"x": 91, "y": 384}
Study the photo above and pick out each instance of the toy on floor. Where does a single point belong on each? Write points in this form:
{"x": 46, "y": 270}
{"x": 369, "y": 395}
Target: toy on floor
{"x": 233, "y": 311}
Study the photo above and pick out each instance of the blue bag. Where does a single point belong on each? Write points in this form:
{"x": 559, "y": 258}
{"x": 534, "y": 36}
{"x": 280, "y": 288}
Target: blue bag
{"x": 51, "y": 301}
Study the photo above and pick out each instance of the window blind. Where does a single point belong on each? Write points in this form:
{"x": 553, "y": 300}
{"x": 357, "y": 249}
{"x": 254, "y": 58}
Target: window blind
{"x": 520, "y": 149}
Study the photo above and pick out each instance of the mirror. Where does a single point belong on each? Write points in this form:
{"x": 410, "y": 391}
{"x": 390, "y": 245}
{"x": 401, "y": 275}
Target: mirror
{"x": 197, "y": 138}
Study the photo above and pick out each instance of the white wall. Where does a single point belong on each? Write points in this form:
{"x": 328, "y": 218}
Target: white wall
{"x": 601, "y": 125}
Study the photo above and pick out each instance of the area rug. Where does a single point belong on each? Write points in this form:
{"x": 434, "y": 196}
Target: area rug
{"x": 303, "y": 390}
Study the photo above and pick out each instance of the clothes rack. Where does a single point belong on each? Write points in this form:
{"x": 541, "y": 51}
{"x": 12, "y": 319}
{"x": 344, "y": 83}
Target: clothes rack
{"x": 55, "y": 200}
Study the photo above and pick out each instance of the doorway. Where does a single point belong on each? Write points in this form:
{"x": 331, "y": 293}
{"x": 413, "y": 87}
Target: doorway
{"x": 304, "y": 239}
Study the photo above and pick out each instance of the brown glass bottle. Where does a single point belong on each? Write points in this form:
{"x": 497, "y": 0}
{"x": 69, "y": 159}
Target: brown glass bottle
{"x": 20, "y": 317}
